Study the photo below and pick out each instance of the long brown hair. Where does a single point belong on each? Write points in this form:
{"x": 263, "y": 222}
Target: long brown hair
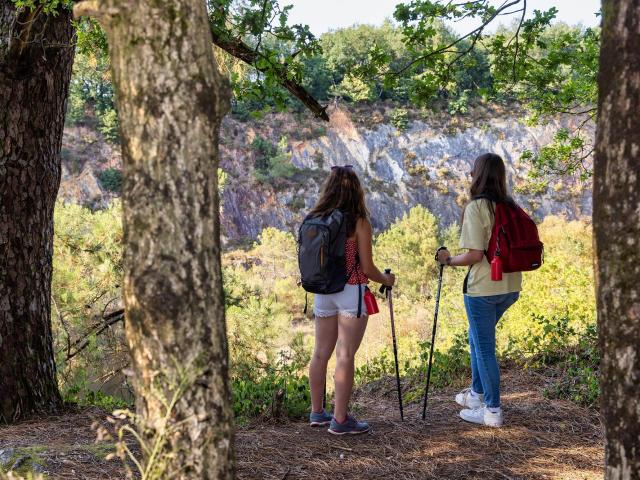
{"x": 490, "y": 178}
{"x": 342, "y": 190}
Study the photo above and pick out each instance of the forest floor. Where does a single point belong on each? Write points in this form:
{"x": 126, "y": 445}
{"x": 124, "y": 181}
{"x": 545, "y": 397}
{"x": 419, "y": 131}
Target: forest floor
{"x": 541, "y": 439}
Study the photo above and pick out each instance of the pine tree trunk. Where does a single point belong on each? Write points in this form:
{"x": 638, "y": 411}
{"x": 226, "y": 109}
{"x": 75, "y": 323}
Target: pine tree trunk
{"x": 171, "y": 100}
{"x": 36, "y": 55}
{"x": 616, "y": 200}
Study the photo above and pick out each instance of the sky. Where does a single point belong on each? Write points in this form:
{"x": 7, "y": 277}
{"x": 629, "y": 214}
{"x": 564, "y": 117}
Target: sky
{"x": 324, "y": 15}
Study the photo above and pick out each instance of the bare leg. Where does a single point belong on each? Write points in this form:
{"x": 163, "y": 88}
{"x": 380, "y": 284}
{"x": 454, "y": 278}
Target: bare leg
{"x": 325, "y": 342}
{"x": 350, "y": 333}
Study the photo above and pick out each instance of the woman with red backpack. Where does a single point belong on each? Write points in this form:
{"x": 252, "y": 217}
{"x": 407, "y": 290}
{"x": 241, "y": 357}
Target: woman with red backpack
{"x": 488, "y": 294}
{"x": 335, "y": 243}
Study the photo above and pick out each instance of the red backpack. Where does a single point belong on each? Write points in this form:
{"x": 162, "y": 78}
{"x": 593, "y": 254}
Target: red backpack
{"x": 515, "y": 239}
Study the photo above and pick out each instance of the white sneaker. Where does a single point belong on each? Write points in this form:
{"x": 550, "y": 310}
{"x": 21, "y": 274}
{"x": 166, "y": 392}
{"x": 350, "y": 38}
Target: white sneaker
{"x": 482, "y": 416}
{"x": 466, "y": 399}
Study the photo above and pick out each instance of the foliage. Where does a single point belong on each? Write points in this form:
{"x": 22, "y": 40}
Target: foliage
{"x": 400, "y": 118}
{"x": 572, "y": 351}
{"x": 262, "y": 25}
{"x": 460, "y": 105}
{"x": 81, "y": 394}
{"x": 90, "y": 86}
{"x": 153, "y": 436}
{"x": 408, "y": 248}
{"x": 111, "y": 179}
{"x": 264, "y": 150}
{"x": 272, "y": 167}
{"x": 551, "y": 69}
{"x": 49, "y": 7}
{"x": 273, "y": 389}
{"x": 567, "y": 154}
{"x": 551, "y": 327}
{"x": 353, "y": 88}
{"x": 453, "y": 364}
{"x": 87, "y": 274}
{"x": 109, "y": 125}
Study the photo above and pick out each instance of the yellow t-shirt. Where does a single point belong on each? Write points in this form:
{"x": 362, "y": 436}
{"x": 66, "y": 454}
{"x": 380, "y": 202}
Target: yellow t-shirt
{"x": 476, "y": 233}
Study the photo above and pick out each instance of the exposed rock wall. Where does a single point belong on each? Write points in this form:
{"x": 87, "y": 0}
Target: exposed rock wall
{"x": 427, "y": 164}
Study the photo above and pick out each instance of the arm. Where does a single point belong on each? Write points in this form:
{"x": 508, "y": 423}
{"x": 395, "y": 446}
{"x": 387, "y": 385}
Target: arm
{"x": 364, "y": 236}
{"x": 474, "y": 226}
{"x": 463, "y": 260}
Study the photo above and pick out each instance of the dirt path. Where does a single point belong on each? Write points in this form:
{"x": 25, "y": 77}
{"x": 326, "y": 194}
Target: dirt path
{"x": 542, "y": 439}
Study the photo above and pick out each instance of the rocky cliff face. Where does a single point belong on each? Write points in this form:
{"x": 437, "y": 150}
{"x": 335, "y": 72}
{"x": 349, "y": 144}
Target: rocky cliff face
{"x": 427, "y": 163}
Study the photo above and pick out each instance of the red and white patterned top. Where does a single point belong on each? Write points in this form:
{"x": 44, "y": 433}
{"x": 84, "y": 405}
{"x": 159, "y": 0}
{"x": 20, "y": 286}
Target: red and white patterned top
{"x": 357, "y": 277}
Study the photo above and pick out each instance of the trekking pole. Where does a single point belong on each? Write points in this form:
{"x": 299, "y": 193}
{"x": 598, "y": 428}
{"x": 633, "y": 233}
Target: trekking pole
{"x": 324, "y": 395}
{"x": 389, "y": 295}
{"x": 433, "y": 338}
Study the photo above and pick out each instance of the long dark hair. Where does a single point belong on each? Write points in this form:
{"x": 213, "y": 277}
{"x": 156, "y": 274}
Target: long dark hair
{"x": 342, "y": 190}
{"x": 490, "y": 178}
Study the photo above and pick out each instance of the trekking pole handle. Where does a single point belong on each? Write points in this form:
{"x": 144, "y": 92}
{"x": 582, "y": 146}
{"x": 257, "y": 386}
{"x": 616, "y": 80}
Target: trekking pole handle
{"x": 384, "y": 288}
{"x": 439, "y": 250}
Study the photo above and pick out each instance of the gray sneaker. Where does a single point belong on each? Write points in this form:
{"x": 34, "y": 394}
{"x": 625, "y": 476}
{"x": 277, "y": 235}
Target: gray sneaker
{"x": 321, "y": 419}
{"x": 350, "y": 426}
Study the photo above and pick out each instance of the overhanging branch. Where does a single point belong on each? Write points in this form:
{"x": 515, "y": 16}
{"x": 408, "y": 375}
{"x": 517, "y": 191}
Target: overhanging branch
{"x": 242, "y": 51}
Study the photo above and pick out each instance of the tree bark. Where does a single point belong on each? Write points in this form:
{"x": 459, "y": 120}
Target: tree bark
{"x": 171, "y": 100}
{"x": 616, "y": 201}
{"x": 36, "y": 55}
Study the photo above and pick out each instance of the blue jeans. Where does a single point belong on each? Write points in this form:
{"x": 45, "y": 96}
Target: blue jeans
{"x": 483, "y": 314}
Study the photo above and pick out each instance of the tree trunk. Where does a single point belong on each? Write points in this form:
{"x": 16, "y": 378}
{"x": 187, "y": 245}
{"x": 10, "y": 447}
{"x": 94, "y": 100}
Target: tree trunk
{"x": 36, "y": 55}
{"x": 616, "y": 201}
{"x": 171, "y": 100}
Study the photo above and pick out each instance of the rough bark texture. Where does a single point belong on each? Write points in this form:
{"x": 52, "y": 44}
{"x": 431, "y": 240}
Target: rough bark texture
{"x": 616, "y": 200}
{"x": 36, "y": 55}
{"x": 171, "y": 100}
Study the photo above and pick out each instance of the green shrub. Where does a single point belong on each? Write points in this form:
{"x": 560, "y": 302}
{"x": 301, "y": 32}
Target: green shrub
{"x": 83, "y": 396}
{"x": 263, "y": 151}
{"x": 275, "y": 165}
{"x": 276, "y": 388}
{"x": 400, "y": 118}
{"x": 460, "y": 105}
{"x": 109, "y": 125}
{"x": 111, "y": 179}
{"x": 450, "y": 366}
{"x": 569, "y": 355}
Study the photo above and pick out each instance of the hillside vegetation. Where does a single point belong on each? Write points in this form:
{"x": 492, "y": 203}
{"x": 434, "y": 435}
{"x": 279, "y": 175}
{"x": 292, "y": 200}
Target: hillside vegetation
{"x": 551, "y": 328}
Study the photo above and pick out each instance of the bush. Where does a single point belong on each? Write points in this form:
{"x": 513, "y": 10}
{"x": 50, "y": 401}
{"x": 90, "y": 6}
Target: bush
{"x": 273, "y": 390}
{"x": 450, "y": 366}
{"x": 408, "y": 246}
{"x": 275, "y": 165}
{"x": 400, "y": 118}
{"x": 263, "y": 151}
{"x": 566, "y": 353}
{"x": 460, "y": 105}
{"x": 111, "y": 179}
{"x": 87, "y": 274}
{"x": 109, "y": 125}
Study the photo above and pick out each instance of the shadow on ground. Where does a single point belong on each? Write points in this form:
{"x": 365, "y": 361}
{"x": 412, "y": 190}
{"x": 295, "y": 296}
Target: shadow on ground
{"x": 542, "y": 439}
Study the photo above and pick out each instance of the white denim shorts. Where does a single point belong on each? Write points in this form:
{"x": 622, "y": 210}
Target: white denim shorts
{"x": 344, "y": 303}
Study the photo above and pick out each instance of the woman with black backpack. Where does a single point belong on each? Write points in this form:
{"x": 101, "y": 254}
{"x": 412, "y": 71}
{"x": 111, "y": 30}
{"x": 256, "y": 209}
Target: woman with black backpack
{"x": 486, "y": 299}
{"x": 340, "y": 318}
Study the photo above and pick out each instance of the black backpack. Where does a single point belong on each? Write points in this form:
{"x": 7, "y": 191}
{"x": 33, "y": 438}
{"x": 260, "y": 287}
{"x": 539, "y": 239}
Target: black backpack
{"x": 321, "y": 253}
